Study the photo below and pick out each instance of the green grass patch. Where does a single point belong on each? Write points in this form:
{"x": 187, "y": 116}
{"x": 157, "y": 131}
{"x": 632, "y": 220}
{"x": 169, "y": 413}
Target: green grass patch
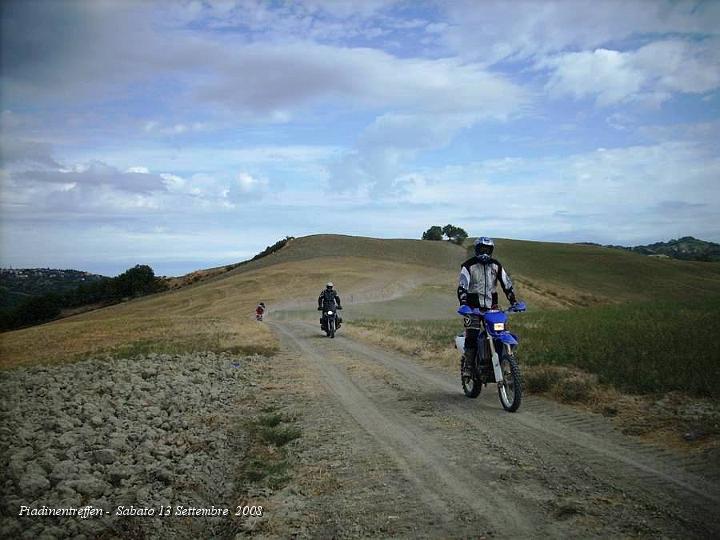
{"x": 278, "y": 436}
{"x": 265, "y": 461}
{"x": 270, "y": 420}
{"x": 200, "y": 343}
{"x": 638, "y": 348}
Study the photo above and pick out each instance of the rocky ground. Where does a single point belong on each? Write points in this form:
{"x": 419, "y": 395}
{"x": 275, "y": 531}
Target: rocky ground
{"x": 139, "y": 433}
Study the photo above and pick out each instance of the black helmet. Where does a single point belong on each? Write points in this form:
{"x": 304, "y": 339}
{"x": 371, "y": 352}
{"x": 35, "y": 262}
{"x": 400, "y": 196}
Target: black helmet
{"x": 484, "y": 247}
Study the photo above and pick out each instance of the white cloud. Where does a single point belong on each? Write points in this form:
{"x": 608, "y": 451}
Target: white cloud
{"x": 222, "y": 71}
{"x": 653, "y": 72}
{"x": 267, "y": 79}
{"x": 607, "y": 75}
{"x": 678, "y": 66}
{"x": 617, "y": 195}
{"x": 450, "y": 98}
{"x": 248, "y": 183}
{"x": 385, "y": 147}
{"x": 495, "y": 29}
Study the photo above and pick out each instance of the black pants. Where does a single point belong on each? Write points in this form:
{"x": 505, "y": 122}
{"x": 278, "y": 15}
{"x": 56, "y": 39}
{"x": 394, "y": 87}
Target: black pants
{"x": 472, "y": 331}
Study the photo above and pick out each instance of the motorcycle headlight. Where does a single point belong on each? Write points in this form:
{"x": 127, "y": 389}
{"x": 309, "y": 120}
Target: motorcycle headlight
{"x": 499, "y": 326}
{"x": 329, "y": 312}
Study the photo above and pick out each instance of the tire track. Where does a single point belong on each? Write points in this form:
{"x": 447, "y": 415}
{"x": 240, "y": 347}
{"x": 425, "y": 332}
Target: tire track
{"x": 440, "y": 481}
{"x": 642, "y": 469}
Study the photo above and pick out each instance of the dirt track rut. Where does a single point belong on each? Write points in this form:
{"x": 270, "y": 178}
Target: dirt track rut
{"x": 453, "y": 467}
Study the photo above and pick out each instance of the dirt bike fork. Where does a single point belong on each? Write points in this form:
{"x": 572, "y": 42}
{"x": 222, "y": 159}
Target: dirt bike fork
{"x": 495, "y": 360}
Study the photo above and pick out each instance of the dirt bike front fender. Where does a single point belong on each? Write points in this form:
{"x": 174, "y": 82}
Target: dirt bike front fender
{"x": 507, "y": 338}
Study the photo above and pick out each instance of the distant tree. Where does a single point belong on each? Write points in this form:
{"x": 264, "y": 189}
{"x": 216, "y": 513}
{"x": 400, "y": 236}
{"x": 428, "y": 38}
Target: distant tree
{"x": 450, "y": 232}
{"x": 34, "y": 310}
{"x": 455, "y": 234}
{"x": 433, "y": 233}
{"x": 136, "y": 281}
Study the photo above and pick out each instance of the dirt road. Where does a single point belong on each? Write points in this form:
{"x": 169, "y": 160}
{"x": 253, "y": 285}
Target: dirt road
{"x": 393, "y": 448}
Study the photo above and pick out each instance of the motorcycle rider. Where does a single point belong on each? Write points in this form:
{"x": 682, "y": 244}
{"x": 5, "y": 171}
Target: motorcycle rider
{"x": 260, "y": 311}
{"x": 477, "y": 288}
{"x": 329, "y": 299}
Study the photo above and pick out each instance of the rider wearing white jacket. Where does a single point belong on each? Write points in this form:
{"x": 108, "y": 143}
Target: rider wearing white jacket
{"x": 477, "y": 288}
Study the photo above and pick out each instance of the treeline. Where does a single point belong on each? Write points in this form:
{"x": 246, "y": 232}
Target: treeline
{"x": 37, "y": 281}
{"x": 686, "y": 248}
{"x": 137, "y": 281}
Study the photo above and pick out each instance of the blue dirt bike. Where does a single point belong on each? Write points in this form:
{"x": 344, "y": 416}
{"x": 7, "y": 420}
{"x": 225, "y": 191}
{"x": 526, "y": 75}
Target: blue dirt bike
{"x": 495, "y": 361}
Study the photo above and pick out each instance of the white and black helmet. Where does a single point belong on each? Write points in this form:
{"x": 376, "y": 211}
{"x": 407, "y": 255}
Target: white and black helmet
{"x": 484, "y": 247}
{"x": 329, "y": 285}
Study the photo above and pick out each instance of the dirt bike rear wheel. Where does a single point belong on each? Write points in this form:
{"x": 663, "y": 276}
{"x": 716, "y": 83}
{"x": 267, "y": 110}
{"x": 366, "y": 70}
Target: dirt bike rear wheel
{"x": 510, "y": 389}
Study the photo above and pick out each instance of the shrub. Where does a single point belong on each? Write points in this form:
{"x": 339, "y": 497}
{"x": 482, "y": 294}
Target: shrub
{"x": 539, "y": 379}
{"x": 577, "y": 388}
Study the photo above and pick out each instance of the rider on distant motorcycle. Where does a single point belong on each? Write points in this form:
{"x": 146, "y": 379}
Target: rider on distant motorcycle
{"x": 329, "y": 299}
{"x": 477, "y": 288}
{"x": 260, "y": 311}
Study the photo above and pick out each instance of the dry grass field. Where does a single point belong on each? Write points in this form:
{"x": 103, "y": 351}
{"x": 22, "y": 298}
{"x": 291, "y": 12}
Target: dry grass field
{"x": 218, "y": 313}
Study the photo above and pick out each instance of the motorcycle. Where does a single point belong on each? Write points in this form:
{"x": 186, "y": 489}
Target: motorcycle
{"x": 258, "y": 317}
{"x": 495, "y": 361}
{"x": 331, "y": 322}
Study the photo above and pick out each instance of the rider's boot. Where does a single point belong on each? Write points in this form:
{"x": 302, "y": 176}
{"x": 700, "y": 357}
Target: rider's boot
{"x": 466, "y": 367}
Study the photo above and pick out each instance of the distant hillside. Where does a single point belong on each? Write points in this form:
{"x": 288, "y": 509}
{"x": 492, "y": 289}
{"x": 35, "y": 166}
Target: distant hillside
{"x": 17, "y": 284}
{"x": 421, "y": 252}
{"x": 377, "y": 278}
{"x": 686, "y": 248}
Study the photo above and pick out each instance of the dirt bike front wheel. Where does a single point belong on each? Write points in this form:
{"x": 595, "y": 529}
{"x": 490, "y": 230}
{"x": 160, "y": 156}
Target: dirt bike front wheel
{"x": 471, "y": 384}
{"x": 510, "y": 388}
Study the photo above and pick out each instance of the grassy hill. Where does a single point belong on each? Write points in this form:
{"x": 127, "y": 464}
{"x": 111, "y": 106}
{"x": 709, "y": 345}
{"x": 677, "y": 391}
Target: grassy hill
{"x": 589, "y": 274}
{"x": 217, "y": 314}
{"x": 639, "y": 323}
{"x": 603, "y": 309}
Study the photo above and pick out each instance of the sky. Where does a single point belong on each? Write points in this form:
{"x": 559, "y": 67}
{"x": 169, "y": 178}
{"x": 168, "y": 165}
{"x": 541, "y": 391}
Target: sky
{"x": 189, "y": 134}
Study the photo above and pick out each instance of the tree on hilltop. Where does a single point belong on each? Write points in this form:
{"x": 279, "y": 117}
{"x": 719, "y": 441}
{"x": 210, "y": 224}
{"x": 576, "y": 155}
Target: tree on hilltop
{"x": 455, "y": 234}
{"x": 433, "y": 233}
{"x": 450, "y": 232}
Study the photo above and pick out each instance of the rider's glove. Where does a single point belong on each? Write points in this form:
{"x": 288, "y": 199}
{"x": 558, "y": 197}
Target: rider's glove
{"x": 511, "y": 297}
{"x": 319, "y": 308}
{"x": 339, "y": 307}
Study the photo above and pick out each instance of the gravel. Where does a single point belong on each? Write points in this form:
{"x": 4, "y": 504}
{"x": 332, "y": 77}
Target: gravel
{"x": 147, "y": 431}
